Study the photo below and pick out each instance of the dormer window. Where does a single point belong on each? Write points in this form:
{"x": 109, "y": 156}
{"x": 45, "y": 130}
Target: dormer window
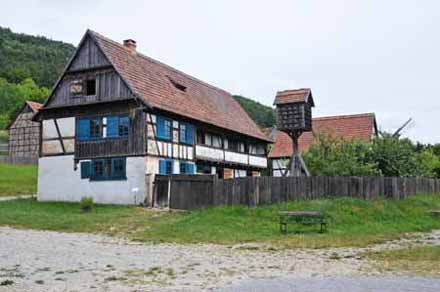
{"x": 177, "y": 85}
{"x": 91, "y": 87}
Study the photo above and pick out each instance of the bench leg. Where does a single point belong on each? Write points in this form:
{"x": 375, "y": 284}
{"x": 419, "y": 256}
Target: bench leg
{"x": 323, "y": 227}
{"x": 283, "y": 227}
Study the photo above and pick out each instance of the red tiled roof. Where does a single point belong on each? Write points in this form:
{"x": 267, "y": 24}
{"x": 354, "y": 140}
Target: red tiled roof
{"x": 35, "y": 106}
{"x": 152, "y": 82}
{"x": 361, "y": 127}
{"x": 293, "y": 95}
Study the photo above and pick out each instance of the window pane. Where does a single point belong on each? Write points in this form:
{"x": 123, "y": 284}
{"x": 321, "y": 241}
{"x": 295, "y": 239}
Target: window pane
{"x": 76, "y": 87}
{"x": 118, "y": 168}
{"x": 216, "y": 141}
{"x": 98, "y": 168}
{"x": 182, "y": 134}
{"x": 182, "y": 167}
{"x": 91, "y": 87}
{"x": 169, "y": 169}
{"x": 124, "y": 125}
{"x": 107, "y": 168}
{"x": 96, "y": 128}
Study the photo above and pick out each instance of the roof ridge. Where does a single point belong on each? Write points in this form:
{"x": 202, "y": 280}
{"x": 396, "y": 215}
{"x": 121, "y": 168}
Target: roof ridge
{"x": 159, "y": 63}
{"x": 346, "y": 116}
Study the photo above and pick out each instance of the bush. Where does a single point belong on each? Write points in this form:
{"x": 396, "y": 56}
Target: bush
{"x": 395, "y": 157}
{"x": 339, "y": 157}
{"x": 87, "y": 204}
{"x": 385, "y": 156}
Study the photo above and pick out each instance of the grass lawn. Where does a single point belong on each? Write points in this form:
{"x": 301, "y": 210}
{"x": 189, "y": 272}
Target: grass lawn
{"x": 18, "y": 179}
{"x": 352, "y": 222}
{"x": 421, "y": 260}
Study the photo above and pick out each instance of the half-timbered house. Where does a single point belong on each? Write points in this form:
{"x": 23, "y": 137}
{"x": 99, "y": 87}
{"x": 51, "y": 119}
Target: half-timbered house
{"x": 115, "y": 118}
{"x": 361, "y": 127}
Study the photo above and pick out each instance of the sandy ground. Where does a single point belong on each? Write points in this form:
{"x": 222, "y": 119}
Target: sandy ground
{"x": 53, "y": 261}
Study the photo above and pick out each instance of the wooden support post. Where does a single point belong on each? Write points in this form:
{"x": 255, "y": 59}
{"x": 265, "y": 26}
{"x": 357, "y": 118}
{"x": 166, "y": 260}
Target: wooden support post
{"x": 297, "y": 165}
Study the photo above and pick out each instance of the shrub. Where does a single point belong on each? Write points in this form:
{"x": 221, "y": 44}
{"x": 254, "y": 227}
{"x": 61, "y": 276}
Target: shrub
{"x": 87, "y": 204}
{"x": 338, "y": 157}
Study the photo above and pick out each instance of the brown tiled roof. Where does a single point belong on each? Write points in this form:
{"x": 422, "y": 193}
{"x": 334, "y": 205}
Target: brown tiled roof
{"x": 293, "y": 95}
{"x": 152, "y": 82}
{"x": 360, "y": 127}
{"x": 35, "y": 106}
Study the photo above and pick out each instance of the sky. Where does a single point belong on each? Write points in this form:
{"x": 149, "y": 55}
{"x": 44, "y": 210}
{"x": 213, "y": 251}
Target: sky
{"x": 357, "y": 56}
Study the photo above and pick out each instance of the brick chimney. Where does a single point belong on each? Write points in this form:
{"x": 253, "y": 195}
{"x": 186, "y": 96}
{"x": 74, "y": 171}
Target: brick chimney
{"x": 130, "y": 44}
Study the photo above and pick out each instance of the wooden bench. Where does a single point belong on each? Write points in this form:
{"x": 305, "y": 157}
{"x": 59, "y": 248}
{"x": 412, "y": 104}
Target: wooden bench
{"x": 435, "y": 213}
{"x": 303, "y": 217}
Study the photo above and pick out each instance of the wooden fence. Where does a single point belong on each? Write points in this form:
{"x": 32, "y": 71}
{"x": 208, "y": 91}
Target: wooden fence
{"x": 188, "y": 192}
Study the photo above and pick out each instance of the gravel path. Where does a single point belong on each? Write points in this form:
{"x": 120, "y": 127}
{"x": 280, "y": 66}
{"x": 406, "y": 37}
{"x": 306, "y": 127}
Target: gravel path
{"x": 52, "y": 261}
{"x": 353, "y": 284}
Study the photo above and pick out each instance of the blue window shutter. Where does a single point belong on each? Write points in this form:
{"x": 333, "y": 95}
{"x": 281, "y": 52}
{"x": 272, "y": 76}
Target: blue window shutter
{"x": 112, "y": 126}
{"x": 83, "y": 129}
{"x": 160, "y": 127}
{"x": 85, "y": 169}
{"x": 190, "y": 168}
{"x": 162, "y": 167}
{"x": 189, "y": 134}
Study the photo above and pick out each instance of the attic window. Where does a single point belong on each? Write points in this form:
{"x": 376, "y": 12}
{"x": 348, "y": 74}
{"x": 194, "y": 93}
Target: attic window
{"x": 91, "y": 87}
{"x": 177, "y": 85}
{"x": 76, "y": 87}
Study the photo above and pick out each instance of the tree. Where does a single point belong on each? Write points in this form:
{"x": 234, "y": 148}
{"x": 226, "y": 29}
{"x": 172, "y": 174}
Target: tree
{"x": 395, "y": 157}
{"x": 428, "y": 163}
{"x": 339, "y": 157}
{"x": 13, "y": 96}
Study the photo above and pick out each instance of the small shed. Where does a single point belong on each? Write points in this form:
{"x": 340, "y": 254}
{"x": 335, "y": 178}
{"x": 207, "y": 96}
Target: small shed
{"x": 24, "y": 135}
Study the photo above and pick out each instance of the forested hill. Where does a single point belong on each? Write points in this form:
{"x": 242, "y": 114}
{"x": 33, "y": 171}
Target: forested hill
{"x": 264, "y": 116}
{"x": 24, "y": 56}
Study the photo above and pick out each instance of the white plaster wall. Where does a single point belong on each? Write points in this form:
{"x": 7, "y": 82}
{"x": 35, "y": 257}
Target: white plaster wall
{"x": 207, "y": 152}
{"x": 57, "y": 181}
{"x": 152, "y": 165}
{"x": 257, "y": 161}
{"x": 67, "y": 127}
{"x": 49, "y": 129}
{"x": 236, "y": 157}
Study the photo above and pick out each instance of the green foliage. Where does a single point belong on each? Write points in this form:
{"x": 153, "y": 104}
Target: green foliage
{"x": 263, "y": 116}
{"x": 351, "y": 222}
{"x": 23, "y": 56}
{"x": 338, "y": 157}
{"x": 86, "y": 203}
{"x": 395, "y": 157}
{"x": 17, "y": 179}
{"x": 13, "y": 96}
{"x": 429, "y": 163}
{"x": 385, "y": 156}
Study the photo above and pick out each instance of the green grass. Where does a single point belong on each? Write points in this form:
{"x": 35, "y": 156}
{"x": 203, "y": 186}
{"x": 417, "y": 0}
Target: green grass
{"x": 17, "y": 179}
{"x": 420, "y": 260}
{"x": 352, "y": 222}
